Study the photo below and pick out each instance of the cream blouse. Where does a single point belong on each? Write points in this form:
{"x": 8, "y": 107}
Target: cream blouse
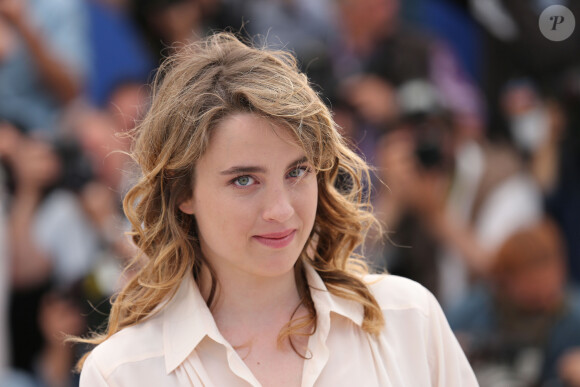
{"x": 182, "y": 346}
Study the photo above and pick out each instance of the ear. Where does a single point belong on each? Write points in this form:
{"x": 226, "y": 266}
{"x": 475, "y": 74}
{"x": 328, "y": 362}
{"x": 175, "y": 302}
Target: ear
{"x": 187, "y": 206}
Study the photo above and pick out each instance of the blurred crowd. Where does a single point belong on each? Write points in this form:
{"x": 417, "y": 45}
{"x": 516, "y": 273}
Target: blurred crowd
{"x": 468, "y": 114}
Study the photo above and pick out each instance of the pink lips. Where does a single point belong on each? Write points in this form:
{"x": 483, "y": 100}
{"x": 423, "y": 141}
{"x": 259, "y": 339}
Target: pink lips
{"x": 276, "y": 240}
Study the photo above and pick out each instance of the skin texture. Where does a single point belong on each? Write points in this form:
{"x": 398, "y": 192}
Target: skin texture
{"x": 254, "y": 201}
{"x": 233, "y": 209}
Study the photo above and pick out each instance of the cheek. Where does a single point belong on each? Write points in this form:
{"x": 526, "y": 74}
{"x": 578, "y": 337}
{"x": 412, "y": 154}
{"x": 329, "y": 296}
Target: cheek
{"x": 307, "y": 202}
{"x": 221, "y": 219}
{"x": 237, "y": 217}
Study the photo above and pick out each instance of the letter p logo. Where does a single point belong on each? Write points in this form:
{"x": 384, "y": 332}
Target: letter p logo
{"x": 557, "y": 20}
{"x": 557, "y": 23}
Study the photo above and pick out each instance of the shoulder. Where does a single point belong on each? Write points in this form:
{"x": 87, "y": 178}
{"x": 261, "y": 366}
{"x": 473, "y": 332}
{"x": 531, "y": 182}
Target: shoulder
{"x": 129, "y": 347}
{"x": 416, "y": 330}
{"x": 398, "y": 293}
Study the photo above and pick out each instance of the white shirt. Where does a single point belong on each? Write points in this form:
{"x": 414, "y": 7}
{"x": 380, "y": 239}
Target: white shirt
{"x": 63, "y": 230}
{"x": 513, "y": 203}
{"x": 182, "y": 346}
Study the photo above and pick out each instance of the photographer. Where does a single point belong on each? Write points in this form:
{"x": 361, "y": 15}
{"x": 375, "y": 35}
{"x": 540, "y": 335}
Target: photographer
{"x": 52, "y": 244}
{"x": 451, "y": 198}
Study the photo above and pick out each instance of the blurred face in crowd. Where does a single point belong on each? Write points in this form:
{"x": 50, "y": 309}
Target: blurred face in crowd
{"x": 254, "y": 198}
{"x": 36, "y": 164}
{"x": 537, "y": 283}
{"x": 369, "y": 18}
{"x": 175, "y": 21}
{"x": 127, "y": 104}
{"x": 530, "y": 120}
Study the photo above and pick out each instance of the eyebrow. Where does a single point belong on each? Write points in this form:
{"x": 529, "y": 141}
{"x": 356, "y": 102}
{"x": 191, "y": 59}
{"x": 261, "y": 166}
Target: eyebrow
{"x": 241, "y": 169}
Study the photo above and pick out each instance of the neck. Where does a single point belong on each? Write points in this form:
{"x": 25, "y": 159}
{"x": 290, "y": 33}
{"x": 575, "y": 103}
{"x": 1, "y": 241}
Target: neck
{"x": 249, "y": 300}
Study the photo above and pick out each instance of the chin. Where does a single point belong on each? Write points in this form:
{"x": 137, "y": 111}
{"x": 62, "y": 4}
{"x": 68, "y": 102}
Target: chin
{"x": 277, "y": 266}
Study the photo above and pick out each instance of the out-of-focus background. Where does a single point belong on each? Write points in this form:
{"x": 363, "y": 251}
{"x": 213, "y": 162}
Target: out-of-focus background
{"x": 469, "y": 113}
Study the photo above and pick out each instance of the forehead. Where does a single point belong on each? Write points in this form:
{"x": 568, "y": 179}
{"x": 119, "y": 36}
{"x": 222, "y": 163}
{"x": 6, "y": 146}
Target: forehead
{"x": 248, "y": 137}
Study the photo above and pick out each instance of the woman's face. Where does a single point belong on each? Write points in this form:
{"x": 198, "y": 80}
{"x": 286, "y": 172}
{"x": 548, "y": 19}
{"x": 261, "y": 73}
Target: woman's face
{"x": 254, "y": 198}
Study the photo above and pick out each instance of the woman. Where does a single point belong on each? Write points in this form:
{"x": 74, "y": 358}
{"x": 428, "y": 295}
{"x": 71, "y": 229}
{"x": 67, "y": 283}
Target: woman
{"x": 248, "y": 275}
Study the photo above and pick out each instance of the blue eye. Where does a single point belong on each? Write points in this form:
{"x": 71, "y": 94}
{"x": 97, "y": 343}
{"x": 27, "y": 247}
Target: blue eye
{"x": 243, "y": 181}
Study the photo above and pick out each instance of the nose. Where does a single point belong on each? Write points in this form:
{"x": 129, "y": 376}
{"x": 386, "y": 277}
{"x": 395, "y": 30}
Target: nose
{"x": 278, "y": 206}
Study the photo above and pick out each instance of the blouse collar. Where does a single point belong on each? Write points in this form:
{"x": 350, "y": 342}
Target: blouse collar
{"x": 187, "y": 319}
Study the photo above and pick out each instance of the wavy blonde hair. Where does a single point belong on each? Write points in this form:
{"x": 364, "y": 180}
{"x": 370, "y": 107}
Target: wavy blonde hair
{"x": 193, "y": 90}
